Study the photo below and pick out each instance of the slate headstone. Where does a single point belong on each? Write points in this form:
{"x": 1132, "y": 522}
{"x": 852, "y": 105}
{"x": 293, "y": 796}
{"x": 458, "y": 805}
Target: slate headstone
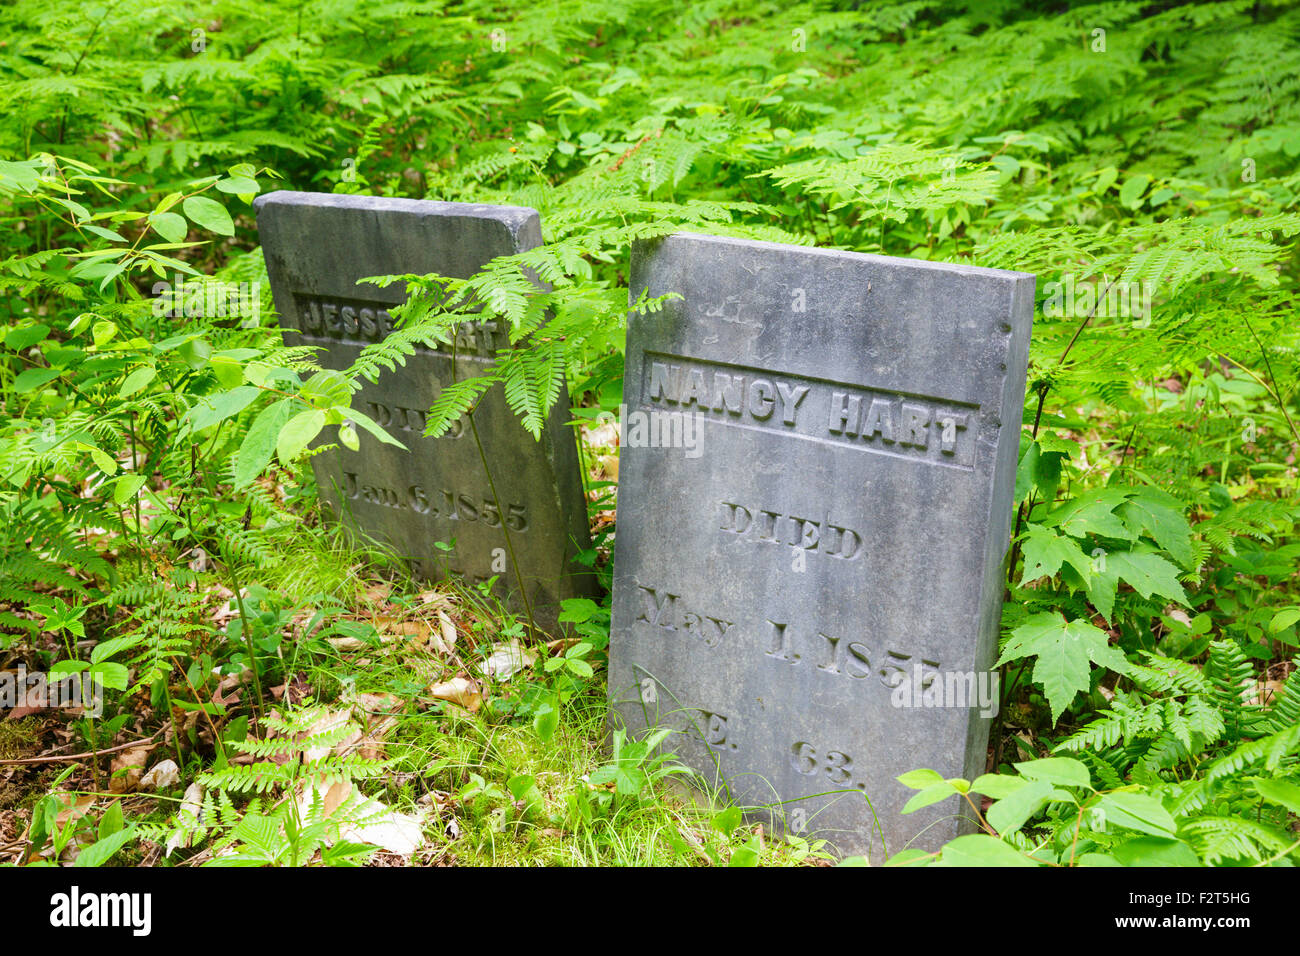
{"x": 808, "y": 559}
{"x": 317, "y": 245}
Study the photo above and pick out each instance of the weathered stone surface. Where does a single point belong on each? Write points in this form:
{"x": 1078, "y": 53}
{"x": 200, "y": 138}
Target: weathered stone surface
{"x": 830, "y": 537}
{"x": 317, "y": 245}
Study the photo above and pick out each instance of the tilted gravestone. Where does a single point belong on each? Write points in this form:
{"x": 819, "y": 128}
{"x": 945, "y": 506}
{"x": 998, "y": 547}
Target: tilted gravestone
{"x": 819, "y": 453}
{"x": 317, "y": 245}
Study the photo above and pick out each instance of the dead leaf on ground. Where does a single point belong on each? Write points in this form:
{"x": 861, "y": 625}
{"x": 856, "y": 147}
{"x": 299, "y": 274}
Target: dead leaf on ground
{"x": 163, "y": 774}
{"x": 346, "y": 643}
{"x": 377, "y": 713}
{"x": 187, "y": 819}
{"x": 72, "y": 809}
{"x": 400, "y": 833}
{"x": 331, "y": 796}
{"x": 449, "y": 633}
{"x": 1267, "y": 692}
{"x": 460, "y": 691}
{"x": 367, "y": 705}
{"x": 363, "y": 819}
{"x": 327, "y": 722}
{"x": 433, "y": 599}
{"x": 228, "y": 683}
{"x": 127, "y": 768}
{"x": 31, "y": 699}
{"x": 506, "y": 660}
{"x": 561, "y": 645}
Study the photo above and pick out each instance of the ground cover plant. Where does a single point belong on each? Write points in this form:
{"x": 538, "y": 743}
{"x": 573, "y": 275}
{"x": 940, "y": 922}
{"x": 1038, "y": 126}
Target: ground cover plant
{"x": 279, "y": 694}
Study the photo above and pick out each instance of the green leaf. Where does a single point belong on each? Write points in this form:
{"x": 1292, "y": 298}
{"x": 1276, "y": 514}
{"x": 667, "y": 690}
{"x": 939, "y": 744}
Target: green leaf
{"x": 229, "y": 371}
{"x": 920, "y": 779}
{"x": 169, "y": 225}
{"x": 114, "y": 645}
{"x": 1160, "y": 516}
{"x": 326, "y": 388}
{"x": 209, "y": 214}
{"x": 101, "y": 851}
{"x": 348, "y": 437}
{"x": 112, "y": 822}
{"x": 727, "y": 820}
{"x": 103, "y": 332}
{"x": 238, "y": 186}
{"x": 1281, "y": 792}
{"x": 901, "y": 858}
{"x": 1148, "y": 572}
{"x": 748, "y": 854}
{"x": 1284, "y": 619}
{"x": 579, "y": 667}
{"x": 980, "y": 849}
{"x": 297, "y": 433}
{"x": 66, "y": 668}
{"x": 125, "y": 488}
{"x": 369, "y": 424}
{"x": 1025, "y": 470}
{"x": 546, "y": 720}
{"x": 34, "y": 378}
{"x": 1062, "y": 771}
{"x": 110, "y": 674}
{"x": 929, "y": 796}
{"x": 1105, "y": 179}
{"x": 1137, "y": 811}
{"x": 213, "y": 409}
{"x": 997, "y": 785}
{"x": 1155, "y": 851}
{"x": 194, "y": 352}
{"x": 259, "y": 444}
{"x": 105, "y": 462}
{"x": 109, "y": 234}
{"x": 25, "y": 175}
{"x": 1063, "y": 650}
{"x": 26, "y": 337}
{"x": 524, "y": 787}
{"x": 1045, "y": 551}
{"x": 1130, "y": 194}
{"x": 1010, "y": 813}
{"x": 137, "y": 380}
{"x": 1097, "y": 859}
{"x": 1091, "y": 513}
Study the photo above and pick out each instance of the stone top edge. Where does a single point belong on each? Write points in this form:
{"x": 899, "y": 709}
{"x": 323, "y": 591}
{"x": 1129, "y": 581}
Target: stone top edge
{"x": 842, "y": 254}
{"x": 511, "y": 215}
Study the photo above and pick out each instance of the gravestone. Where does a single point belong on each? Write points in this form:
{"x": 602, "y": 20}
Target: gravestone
{"x": 819, "y": 454}
{"x": 317, "y": 245}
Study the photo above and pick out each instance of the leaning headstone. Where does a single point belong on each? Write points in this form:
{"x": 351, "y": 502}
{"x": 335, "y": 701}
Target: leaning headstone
{"x": 817, "y": 466}
{"x": 317, "y": 246}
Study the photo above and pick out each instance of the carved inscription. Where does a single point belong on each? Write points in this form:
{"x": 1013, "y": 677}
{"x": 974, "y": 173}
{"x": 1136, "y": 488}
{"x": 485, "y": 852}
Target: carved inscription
{"x": 399, "y": 418}
{"x": 839, "y": 657}
{"x": 714, "y": 730}
{"x": 360, "y": 322}
{"x": 916, "y": 427}
{"x": 834, "y": 765}
{"x": 758, "y": 524}
{"x": 666, "y": 611}
{"x": 445, "y": 504}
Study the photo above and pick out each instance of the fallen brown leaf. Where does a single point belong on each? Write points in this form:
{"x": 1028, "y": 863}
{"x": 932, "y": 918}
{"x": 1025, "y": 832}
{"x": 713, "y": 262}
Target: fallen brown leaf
{"x": 449, "y": 633}
{"x": 127, "y": 769}
{"x": 460, "y": 691}
{"x": 507, "y": 660}
{"x": 163, "y": 774}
